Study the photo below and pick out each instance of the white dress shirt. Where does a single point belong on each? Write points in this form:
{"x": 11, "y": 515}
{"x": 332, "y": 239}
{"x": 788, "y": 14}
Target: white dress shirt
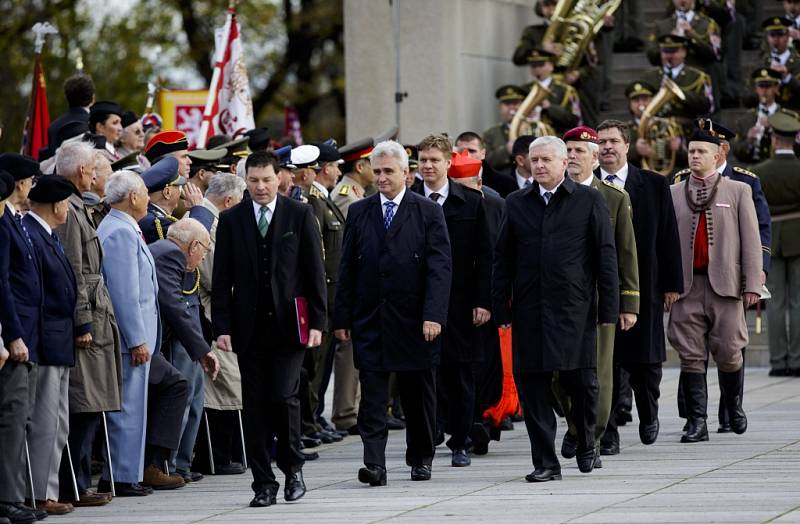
{"x": 542, "y": 190}
{"x": 521, "y": 180}
{"x": 397, "y": 199}
{"x": 270, "y": 209}
{"x": 444, "y": 192}
{"x": 622, "y": 176}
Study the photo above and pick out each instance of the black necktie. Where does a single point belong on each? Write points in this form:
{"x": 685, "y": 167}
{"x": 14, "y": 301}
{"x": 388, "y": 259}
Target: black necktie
{"x": 58, "y": 242}
{"x": 435, "y": 197}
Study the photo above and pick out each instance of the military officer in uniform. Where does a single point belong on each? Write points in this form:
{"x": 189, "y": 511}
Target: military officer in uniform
{"x": 694, "y": 83}
{"x": 498, "y": 146}
{"x": 782, "y": 189}
{"x": 639, "y": 95}
{"x": 205, "y": 163}
{"x": 561, "y": 110}
{"x": 358, "y": 174}
{"x": 753, "y": 143}
{"x": 783, "y": 58}
{"x": 583, "y": 154}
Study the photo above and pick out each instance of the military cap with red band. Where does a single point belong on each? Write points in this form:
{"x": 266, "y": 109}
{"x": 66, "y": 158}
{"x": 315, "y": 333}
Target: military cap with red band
{"x": 464, "y": 166}
{"x": 581, "y": 134}
{"x": 164, "y": 143}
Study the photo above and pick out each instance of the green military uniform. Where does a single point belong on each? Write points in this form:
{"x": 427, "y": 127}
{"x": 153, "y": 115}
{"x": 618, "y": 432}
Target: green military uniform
{"x": 743, "y": 150}
{"x": 789, "y": 95}
{"x": 703, "y": 40}
{"x": 495, "y": 139}
{"x": 634, "y": 90}
{"x": 345, "y": 193}
{"x": 564, "y": 112}
{"x": 531, "y": 38}
{"x": 780, "y": 180}
{"x": 619, "y": 205}
{"x": 695, "y": 84}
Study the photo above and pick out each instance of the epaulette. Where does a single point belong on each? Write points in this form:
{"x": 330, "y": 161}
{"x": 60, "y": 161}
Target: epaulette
{"x": 613, "y": 185}
{"x": 313, "y": 191}
{"x": 344, "y": 191}
{"x": 680, "y": 174}
{"x": 744, "y": 171}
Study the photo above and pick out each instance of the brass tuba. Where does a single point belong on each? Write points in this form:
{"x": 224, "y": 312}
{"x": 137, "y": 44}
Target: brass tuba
{"x": 520, "y": 124}
{"x": 658, "y": 131}
{"x": 574, "y": 25}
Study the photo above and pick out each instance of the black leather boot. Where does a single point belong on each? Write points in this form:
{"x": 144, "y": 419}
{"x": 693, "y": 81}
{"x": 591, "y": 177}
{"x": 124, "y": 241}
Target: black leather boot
{"x": 730, "y": 384}
{"x": 695, "y": 394}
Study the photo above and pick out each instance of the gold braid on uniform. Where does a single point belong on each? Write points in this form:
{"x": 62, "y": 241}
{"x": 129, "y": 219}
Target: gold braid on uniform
{"x": 160, "y": 231}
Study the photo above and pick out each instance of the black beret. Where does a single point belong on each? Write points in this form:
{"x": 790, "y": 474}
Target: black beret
{"x": 128, "y": 118}
{"x": 259, "y": 138}
{"x": 20, "y": 166}
{"x": 71, "y": 130}
{"x": 6, "y": 184}
{"x": 50, "y": 189}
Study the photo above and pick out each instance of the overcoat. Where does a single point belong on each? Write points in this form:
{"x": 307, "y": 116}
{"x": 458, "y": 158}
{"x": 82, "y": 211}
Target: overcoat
{"x": 555, "y": 276}
{"x": 390, "y": 281}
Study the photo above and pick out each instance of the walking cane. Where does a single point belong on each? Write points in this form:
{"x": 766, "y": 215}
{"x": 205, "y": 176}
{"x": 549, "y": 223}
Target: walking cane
{"x": 30, "y": 474}
{"x": 241, "y": 433}
{"x": 210, "y": 451}
{"x": 108, "y": 457}
{"x": 72, "y": 471}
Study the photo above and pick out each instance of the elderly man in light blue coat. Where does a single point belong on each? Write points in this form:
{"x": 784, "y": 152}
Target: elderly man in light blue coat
{"x": 130, "y": 275}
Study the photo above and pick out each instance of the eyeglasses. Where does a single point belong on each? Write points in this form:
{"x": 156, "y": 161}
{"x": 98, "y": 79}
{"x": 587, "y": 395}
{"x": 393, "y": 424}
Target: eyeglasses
{"x": 206, "y": 247}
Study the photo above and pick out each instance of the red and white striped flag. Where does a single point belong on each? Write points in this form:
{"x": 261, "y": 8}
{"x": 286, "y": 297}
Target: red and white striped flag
{"x": 229, "y": 108}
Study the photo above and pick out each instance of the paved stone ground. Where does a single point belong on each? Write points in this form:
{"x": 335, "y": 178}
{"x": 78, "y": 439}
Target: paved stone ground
{"x": 754, "y": 477}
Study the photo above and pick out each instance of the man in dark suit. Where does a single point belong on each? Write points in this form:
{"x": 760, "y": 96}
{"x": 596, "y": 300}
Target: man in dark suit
{"x": 79, "y": 92}
{"x": 392, "y": 300}
{"x": 473, "y": 143}
{"x": 268, "y": 265}
{"x": 50, "y": 420}
{"x": 470, "y": 294}
{"x": 20, "y": 308}
{"x": 555, "y": 279}
{"x": 641, "y": 350}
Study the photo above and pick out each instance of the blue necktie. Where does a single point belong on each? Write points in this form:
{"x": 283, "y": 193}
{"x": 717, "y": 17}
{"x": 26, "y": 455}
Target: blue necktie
{"x": 58, "y": 242}
{"x": 547, "y": 196}
{"x": 18, "y": 218}
{"x": 387, "y": 218}
{"x": 611, "y": 178}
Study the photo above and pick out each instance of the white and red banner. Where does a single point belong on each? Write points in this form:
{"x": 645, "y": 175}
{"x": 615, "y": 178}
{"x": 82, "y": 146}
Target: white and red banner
{"x": 229, "y": 108}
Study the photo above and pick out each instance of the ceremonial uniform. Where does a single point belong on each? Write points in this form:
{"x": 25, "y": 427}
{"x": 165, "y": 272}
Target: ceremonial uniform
{"x": 564, "y": 112}
{"x": 789, "y": 95}
{"x": 695, "y": 84}
{"x": 782, "y": 190}
{"x": 704, "y": 38}
{"x": 761, "y": 149}
{"x": 345, "y": 193}
{"x": 495, "y": 139}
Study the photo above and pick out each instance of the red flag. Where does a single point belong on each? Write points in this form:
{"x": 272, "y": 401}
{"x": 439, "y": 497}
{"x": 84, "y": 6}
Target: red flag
{"x": 35, "y": 136}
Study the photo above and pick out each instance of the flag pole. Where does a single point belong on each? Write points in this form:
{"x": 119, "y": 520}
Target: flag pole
{"x": 41, "y": 30}
{"x": 219, "y": 56}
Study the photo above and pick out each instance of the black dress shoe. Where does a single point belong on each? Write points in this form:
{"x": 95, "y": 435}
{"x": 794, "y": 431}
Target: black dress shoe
{"x": 124, "y": 489}
{"x": 310, "y": 455}
{"x": 648, "y": 433}
{"x": 394, "y": 423}
{"x": 421, "y": 472}
{"x": 507, "y": 424}
{"x": 778, "y": 372}
{"x": 585, "y": 460}
{"x": 191, "y": 476}
{"x": 598, "y": 464}
{"x": 460, "y": 459}
{"x": 543, "y": 475}
{"x": 569, "y": 446}
{"x": 16, "y": 514}
{"x": 696, "y": 432}
{"x": 325, "y": 437}
{"x": 724, "y": 428}
{"x": 480, "y": 448}
{"x": 353, "y": 430}
{"x": 38, "y": 513}
{"x": 373, "y": 475}
{"x": 295, "y": 488}
{"x": 309, "y": 442}
{"x": 234, "y": 468}
{"x": 325, "y": 425}
{"x": 609, "y": 448}
{"x": 439, "y": 438}
{"x": 264, "y": 498}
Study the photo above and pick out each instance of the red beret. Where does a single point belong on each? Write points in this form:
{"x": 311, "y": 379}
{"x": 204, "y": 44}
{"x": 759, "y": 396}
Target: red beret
{"x": 164, "y": 143}
{"x": 581, "y": 134}
{"x": 464, "y": 166}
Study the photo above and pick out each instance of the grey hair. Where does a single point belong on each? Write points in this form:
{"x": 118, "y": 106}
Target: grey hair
{"x": 594, "y": 147}
{"x": 557, "y": 144}
{"x": 121, "y": 184}
{"x": 73, "y": 154}
{"x": 186, "y": 230}
{"x": 392, "y": 149}
{"x": 224, "y": 185}
{"x": 100, "y": 160}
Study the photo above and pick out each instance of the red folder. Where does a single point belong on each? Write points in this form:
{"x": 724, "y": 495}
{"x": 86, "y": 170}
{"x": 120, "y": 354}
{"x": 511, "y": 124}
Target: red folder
{"x": 301, "y": 310}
